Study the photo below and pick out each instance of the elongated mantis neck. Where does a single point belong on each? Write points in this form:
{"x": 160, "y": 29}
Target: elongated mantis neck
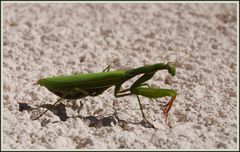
{"x": 148, "y": 69}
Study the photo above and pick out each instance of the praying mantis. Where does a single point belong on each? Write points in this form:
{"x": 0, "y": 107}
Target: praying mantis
{"x": 78, "y": 86}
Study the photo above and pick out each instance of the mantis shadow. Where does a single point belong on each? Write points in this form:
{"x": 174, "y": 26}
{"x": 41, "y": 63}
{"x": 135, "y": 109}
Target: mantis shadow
{"x": 59, "y": 110}
{"x": 92, "y": 121}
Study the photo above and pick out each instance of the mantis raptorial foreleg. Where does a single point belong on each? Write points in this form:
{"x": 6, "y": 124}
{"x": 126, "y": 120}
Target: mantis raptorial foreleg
{"x": 137, "y": 83}
{"x": 168, "y": 107}
{"x": 145, "y": 84}
{"x": 134, "y": 89}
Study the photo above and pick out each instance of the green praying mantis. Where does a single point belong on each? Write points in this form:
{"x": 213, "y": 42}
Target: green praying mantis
{"x": 93, "y": 84}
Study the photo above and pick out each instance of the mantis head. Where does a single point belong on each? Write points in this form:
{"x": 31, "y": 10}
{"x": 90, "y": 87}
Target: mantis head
{"x": 171, "y": 68}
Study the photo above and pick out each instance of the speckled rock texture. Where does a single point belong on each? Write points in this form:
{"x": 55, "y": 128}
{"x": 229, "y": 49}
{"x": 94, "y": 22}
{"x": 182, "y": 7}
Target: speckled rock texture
{"x": 43, "y": 40}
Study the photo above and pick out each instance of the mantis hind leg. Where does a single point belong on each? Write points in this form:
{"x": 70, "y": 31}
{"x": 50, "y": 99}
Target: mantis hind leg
{"x": 65, "y": 95}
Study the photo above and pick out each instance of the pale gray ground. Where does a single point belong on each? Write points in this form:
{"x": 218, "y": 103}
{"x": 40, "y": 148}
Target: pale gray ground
{"x": 42, "y": 40}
